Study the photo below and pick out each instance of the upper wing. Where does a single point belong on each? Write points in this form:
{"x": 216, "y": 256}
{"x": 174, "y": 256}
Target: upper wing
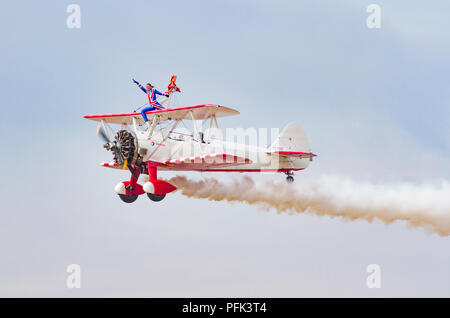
{"x": 207, "y": 162}
{"x": 200, "y": 112}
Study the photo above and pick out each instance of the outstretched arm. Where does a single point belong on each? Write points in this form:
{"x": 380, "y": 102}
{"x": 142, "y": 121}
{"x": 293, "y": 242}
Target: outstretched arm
{"x": 159, "y": 93}
{"x": 140, "y": 86}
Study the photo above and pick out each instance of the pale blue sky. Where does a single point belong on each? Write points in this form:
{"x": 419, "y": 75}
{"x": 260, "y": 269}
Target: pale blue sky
{"x": 375, "y": 105}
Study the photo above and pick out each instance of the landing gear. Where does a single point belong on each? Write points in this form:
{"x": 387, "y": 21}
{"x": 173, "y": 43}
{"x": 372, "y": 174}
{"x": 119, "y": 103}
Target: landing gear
{"x": 156, "y": 197}
{"x": 289, "y": 176}
{"x": 129, "y": 191}
{"x": 128, "y": 198}
{"x": 153, "y": 185}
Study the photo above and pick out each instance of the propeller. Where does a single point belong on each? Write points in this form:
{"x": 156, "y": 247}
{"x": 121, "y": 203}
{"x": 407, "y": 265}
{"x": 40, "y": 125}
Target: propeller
{"x": 101, "y": 132}
{"x": 111, "y": 145}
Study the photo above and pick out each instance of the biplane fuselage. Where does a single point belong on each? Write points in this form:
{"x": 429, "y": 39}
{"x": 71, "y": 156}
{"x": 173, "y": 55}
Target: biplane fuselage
{"x": 166, "y": 148}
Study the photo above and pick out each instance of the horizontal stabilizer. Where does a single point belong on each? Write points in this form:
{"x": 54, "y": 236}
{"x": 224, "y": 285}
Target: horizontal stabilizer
{"x": 296, "y": 154}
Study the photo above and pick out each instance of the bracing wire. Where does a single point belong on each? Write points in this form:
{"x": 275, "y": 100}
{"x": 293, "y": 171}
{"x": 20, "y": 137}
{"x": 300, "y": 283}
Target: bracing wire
{"x": 139, "y": 108}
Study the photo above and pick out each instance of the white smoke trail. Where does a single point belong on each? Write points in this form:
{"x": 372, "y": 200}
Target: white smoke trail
{"x": 426, "y": 206}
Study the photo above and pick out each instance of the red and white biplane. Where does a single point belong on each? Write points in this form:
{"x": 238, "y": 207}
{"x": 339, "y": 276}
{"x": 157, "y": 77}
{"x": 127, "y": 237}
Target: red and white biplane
{"x": 146, "y": 150}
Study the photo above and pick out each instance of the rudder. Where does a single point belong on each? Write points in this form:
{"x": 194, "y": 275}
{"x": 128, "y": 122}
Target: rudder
{"x": 291, "y": 139}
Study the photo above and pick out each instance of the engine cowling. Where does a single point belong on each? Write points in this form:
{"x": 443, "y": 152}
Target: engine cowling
{"x": 127, "y": 144}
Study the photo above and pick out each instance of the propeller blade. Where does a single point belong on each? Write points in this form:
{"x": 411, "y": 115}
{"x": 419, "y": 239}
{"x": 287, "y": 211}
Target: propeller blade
{"x": 101, "y": 132}
{"x": 125, "y": 164}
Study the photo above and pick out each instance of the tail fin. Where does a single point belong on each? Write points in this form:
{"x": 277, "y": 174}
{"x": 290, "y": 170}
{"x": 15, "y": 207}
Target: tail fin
{"x": 292, "y": 142}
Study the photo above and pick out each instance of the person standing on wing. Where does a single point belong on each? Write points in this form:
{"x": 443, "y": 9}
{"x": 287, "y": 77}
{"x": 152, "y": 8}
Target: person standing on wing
{"x": 153, "y": 103}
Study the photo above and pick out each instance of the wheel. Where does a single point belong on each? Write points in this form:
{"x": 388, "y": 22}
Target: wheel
{"x": 128, "y": 198}
{"x": 290, "y": 179}
{"x": 156, "y": 197}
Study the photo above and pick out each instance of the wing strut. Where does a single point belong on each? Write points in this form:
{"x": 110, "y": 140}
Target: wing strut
{"x": 194, "y": 122}
{"x": 135, "y": 125}
{"x": 153, "y": 126}
{"x": 196, "y": 133}
{"x": 209, "y": 128}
